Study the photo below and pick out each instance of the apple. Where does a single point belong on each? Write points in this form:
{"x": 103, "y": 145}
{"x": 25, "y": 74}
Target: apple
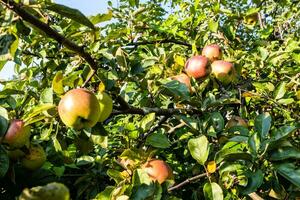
{"x": 158, "y": 170}
{"x": 106, "y": 106}
{"x": 17, "y": 134}
{"x": 212, "y": 52}
{"x": 51, "y": 191}
{"x": 79, "y": 108}
{"x": 35, "y": 158}
{"x": 197, "y": 66}
{"x": 223, "y": 71}
{"x": 185, "y": 79}
{"x": 251, "y": 19}
{"x": 236, "y": 121}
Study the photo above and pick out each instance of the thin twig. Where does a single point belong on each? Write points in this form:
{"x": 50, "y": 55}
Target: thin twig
{"x": 187, "y": 181}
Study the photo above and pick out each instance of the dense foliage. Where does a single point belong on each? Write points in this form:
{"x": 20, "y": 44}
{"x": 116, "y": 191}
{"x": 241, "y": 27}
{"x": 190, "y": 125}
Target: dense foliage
{"x": 133, "y": 56}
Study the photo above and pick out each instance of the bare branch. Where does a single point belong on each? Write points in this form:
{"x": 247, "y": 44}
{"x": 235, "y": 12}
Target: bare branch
{"x": 187, "y": 181}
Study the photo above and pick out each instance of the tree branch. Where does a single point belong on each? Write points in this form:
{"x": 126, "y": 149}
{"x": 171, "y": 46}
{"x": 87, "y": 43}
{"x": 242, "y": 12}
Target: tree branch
{"x": 187, "y": 181}
{"x": 160, "y": 42}
{"x": 18, "y": 9}
{"x": 157, "y": 111}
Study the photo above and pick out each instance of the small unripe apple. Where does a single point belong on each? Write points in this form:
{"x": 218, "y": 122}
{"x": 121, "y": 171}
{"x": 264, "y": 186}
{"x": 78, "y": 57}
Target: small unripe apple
{"x": 35, "y": 158}
{"x": 17, "y": 134}
{"x": 185, "y": 79}
{"x": 251, "y": 19}
{"x": 223, "y": 71}
{"x": 197, "y": 66}
{"x": 236, "y": 121}
{"x": 106, "y": 106}
{"x": 158, "y": 170}
{"x": 212, "y": 52}
{"x": 79, "y": 108}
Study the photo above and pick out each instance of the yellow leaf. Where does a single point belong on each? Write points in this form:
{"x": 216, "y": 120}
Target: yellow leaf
{"x": 211, "y": 166}
{"x": 101, "y": 87}
{"x": 57, "y": 83}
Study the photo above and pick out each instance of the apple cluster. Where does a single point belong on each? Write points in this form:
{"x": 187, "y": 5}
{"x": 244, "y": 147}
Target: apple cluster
{"x": 17, "y": 137}
{"x": 200, "y": 66}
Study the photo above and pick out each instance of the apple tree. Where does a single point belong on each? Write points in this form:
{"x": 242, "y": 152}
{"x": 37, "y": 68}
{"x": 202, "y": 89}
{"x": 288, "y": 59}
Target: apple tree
{"x": 157, "y": 99}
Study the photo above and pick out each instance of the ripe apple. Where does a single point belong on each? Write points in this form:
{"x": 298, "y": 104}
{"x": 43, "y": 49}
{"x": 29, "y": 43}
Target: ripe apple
{"x": 158, "y": 170}
{"x": 185, "y": 79}
{"x": 197, "y": 66}
{"x": 223, "y": 71}
{"x": 106, "y": 106}
{"x": 212, "y": 52}
{"x": 35, "y": 158}
{"x": 79, "y": 108}
{"x": 236, "y": 121}
{"x": 17, "y": 134}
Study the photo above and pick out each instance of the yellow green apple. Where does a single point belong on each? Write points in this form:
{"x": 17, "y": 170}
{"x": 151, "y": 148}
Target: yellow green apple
{"x": 79, "y": 108}
{"x": 106, "y": 106}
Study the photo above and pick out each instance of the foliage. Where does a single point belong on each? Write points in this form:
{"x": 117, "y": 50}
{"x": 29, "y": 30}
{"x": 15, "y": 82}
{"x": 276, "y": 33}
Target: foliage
{"x": 137, "y": 47}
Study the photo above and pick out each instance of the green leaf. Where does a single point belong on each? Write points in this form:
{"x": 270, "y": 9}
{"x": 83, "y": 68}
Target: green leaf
{"x": 282, "y": 132}
{"x": 9, "y": 92}
{"x": 213, "y": 26}
{"x": 47, "y": 96}
{"x": 176, "y": 89}
{"x": 255, "y": 180}
{"x": 158, "y": 140}
{"x": 39, "y": 109}
{"x": 101, "y": 17}
{"x": 262, "y": 125}
{"x": 3, "y": 121}
{"x": 283, "y": 153}
{"x": 286, "y": 101}
{"x": 106, "y": 194}
{"x": 71, "y": 13}
{"x": 6, "y": 42}
{"x": 212, "y": 191}
{"x": 147, "y": 121}
{"x": 280, "y": 90}
{"x": 57, "y": 83}
{"x": 217, "y": 121}
{"x": 199, "y": 149}
{"x": 4, "y": 160}
{"x": 290, "y": 172}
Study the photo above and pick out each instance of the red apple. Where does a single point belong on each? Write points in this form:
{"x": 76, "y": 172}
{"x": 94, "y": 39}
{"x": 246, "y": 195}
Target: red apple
{"x": 185, "y": 79}
{"x": 223, "y": 71}
{"x": 212, "y": 52}
{"x": 197, "y": 66}
{"x": 158, "y": 170}
{"x": 79, "y": 108}
{"x": 17, "y": 134}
